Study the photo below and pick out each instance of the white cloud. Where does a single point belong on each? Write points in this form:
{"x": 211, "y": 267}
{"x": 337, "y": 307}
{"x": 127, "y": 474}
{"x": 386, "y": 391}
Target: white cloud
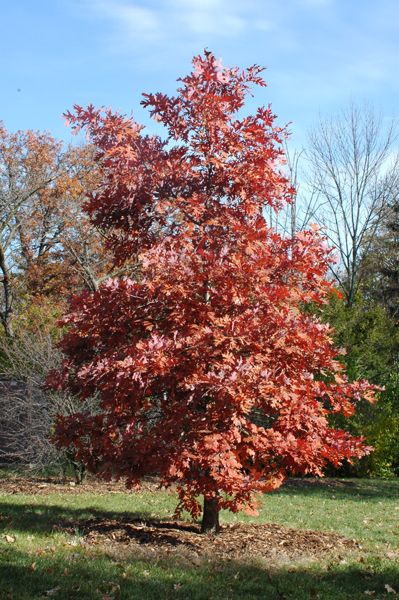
{"x": 209, "y": 17}
{"x": 209, "y": 23}
{"x": 315, "y": 3}
{"x": 197, "y": 5}
{"x": 166, "y": 19}
{"x": 137, "y": 17}
{"x": 264, "y": 25}
{"x": 129, "y": 19}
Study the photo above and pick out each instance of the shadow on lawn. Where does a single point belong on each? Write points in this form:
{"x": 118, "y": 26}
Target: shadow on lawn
{"x": 76, "y": 573}
{"x": 42, "y": 518}
{"x": 100, "y": 577}
{"x": 342, "y": 489}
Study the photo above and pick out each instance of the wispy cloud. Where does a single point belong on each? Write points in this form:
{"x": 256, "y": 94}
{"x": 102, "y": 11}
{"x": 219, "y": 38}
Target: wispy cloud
{"x": 315, "y": 3}
{"x": 320, "y": 52}
{"x": 206, "y": 22}
{"x": 183, "y": 18}
{"x": 130, "y": 20}
{"x": 210, "y": 16}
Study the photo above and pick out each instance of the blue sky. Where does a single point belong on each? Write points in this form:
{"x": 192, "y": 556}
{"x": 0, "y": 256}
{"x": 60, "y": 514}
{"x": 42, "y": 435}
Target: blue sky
{"x": 319, "y": 54}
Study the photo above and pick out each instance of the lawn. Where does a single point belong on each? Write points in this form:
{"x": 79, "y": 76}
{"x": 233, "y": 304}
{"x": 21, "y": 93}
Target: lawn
{"x": 64, "y": 542}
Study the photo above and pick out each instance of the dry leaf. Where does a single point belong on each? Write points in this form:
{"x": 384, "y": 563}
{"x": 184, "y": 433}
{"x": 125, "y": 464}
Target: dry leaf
{"x": 9, "y": 538}
{"x": 389, "y": 589}
{"x": 177, "y": 586}
{"x": 53, "y": 591}
{"x": 369, "y": 592}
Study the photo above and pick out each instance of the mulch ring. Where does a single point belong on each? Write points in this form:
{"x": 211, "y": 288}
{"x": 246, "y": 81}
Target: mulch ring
{"x": 235, "y": 542}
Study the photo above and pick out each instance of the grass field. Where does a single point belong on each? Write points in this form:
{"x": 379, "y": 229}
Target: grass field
{"x": 39, "y": 558}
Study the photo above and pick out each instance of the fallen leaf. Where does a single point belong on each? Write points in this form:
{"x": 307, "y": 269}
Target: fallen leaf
{"x": 369, "y": 592}
{"x": 177, "y": 586}
{"x": 53, "y": 591}
{"x": 389, "y": 589}
{"x": 33, "y": 566}
{"x": 392, "y": 555}
{"x": 9, "y": 538}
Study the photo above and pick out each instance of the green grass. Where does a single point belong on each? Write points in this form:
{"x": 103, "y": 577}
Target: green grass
{"x": 43, "y": 562}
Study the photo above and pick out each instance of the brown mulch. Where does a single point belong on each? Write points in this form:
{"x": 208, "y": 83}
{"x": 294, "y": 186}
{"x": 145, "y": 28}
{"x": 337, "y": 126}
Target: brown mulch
{"x": 235, "y": 542}
{"x": 20, "y": 484}
{"x": 44, "y": 486}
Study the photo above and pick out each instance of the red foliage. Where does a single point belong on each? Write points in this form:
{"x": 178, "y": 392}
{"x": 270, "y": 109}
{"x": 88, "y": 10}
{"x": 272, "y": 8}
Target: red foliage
{"x": 208, "y": 369}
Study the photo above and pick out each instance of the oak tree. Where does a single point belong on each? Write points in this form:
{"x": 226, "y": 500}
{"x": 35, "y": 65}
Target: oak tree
{"x": 208, "y": 369}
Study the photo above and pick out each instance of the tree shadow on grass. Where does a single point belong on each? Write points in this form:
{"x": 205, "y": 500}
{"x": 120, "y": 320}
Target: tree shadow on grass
{"x": 42, "y": 518}
{"x": 342, "y": 489}
{"x": 94, "y": 577}
{"x": 141, "y": 527}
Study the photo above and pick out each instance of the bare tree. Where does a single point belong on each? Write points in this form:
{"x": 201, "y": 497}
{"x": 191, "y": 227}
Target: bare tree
{"x": 380, "y": 265}
{"x": 299, "y": 214}
{"x": 27, "y": 409}
{"x": 353, "y": 173}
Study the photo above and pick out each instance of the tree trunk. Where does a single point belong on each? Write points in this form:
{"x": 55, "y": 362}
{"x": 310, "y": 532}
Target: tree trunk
{"x": 210, "y": 517}
{"x": 8, "y": 328}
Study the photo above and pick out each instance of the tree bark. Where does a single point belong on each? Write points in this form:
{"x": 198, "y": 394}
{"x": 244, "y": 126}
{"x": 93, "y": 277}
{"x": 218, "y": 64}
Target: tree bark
{"x": 6, "y": 313}
{"x": 210, "y": 516}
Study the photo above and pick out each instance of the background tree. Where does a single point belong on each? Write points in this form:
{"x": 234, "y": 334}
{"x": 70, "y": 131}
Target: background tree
{"x": 298, "y": 215}
{"x": 380, "y": 266}
{"x": 370, "y": 337}
{"x": 214, "y": 329}
{"x": 368, "y": 334}
{"x": 354, "y": 171}
{"x": 47, "y": 245}
{"x": 48, "y": 249}
{"x": 27, "y": 410}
